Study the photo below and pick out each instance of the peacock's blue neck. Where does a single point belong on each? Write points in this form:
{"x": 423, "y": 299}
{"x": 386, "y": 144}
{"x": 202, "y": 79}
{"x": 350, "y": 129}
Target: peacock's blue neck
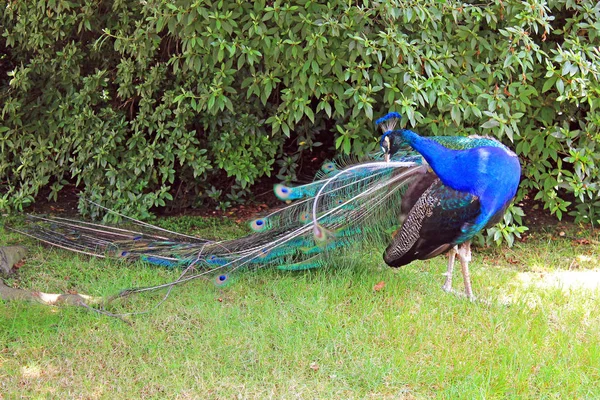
{"x": 444, "y": 161}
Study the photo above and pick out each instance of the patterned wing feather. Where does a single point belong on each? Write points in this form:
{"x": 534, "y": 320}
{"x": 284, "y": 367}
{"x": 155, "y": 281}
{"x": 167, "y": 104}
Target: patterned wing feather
{"x": 434, "y": 218}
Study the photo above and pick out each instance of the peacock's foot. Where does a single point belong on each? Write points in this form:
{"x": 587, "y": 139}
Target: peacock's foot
{"x": 459, "y": 293}
{"x": 447, "y": 287}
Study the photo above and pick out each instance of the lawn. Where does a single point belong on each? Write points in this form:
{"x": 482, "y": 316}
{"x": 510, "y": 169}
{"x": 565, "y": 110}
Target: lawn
{"x": 336, "y": 332}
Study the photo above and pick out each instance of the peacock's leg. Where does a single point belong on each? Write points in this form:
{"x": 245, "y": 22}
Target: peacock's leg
{"x": 451, "y": 256}
{"x": 464, "y": 255}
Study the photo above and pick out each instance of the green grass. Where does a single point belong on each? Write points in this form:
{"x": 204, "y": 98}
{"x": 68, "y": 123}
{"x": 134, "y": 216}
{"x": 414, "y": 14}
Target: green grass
{"x": 317, "y": 334}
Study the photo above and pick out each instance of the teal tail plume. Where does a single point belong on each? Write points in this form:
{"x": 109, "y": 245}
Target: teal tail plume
{"x": 343, "y": 206}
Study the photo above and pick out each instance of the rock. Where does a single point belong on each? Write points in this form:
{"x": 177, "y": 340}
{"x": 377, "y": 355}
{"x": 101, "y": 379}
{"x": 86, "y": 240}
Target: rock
{"x": 9, "y": 256}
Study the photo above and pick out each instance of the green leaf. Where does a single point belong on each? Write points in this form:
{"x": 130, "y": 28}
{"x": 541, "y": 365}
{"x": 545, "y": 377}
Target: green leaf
{"x": 492, "y": 123}
{"x": 346, "y": 146}
{"x": 309, "y": 113}
{"x": 549, "y": 84}
{"x": 455, "y": 113}
{"x": 560, "y": 86}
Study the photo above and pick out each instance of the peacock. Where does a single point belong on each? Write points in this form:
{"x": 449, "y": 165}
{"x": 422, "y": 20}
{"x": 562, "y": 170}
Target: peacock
{"x": 468, "y": 185}
{"x": 435, "y": 193}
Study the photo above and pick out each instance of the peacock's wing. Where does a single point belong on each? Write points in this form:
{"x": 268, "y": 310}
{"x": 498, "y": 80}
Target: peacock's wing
{"x": 433, "y": 218}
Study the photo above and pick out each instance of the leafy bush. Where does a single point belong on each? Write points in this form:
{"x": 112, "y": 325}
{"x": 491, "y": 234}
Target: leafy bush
{"x": 138, "y": 102}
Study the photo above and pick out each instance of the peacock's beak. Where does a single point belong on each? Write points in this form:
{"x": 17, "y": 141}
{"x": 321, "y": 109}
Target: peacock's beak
{"x": 385, "y": 148}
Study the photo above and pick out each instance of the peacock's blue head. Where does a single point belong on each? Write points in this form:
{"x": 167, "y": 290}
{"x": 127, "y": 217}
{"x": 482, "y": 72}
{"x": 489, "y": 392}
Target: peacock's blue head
{"x": 391, "y": 139}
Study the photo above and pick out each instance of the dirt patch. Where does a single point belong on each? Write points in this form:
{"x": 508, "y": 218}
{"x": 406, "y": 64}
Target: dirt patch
{"x": 565, "y": 280}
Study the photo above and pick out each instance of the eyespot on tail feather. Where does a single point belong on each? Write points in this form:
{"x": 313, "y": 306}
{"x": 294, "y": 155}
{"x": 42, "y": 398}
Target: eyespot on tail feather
{"x": 260, "y": 224}
{"x": 222, "y": 280}
{"x": 285, "y": 192}
{"x": 329, "y": 167}
{"x": 305, "y": 218}
{"x": 321, "y": 235}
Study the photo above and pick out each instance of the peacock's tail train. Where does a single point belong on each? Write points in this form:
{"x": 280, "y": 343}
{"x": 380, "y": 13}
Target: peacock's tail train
{"x": 341, "y": 207}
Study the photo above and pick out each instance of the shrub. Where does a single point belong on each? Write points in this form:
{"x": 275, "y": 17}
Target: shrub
{"x": 138, "y": 102}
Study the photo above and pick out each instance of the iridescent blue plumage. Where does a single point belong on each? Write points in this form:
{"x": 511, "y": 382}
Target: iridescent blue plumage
{"x": 471, "y": 183}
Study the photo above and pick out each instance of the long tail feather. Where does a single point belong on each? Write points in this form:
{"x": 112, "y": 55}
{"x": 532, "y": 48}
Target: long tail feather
{"x": 339, "y": 209}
